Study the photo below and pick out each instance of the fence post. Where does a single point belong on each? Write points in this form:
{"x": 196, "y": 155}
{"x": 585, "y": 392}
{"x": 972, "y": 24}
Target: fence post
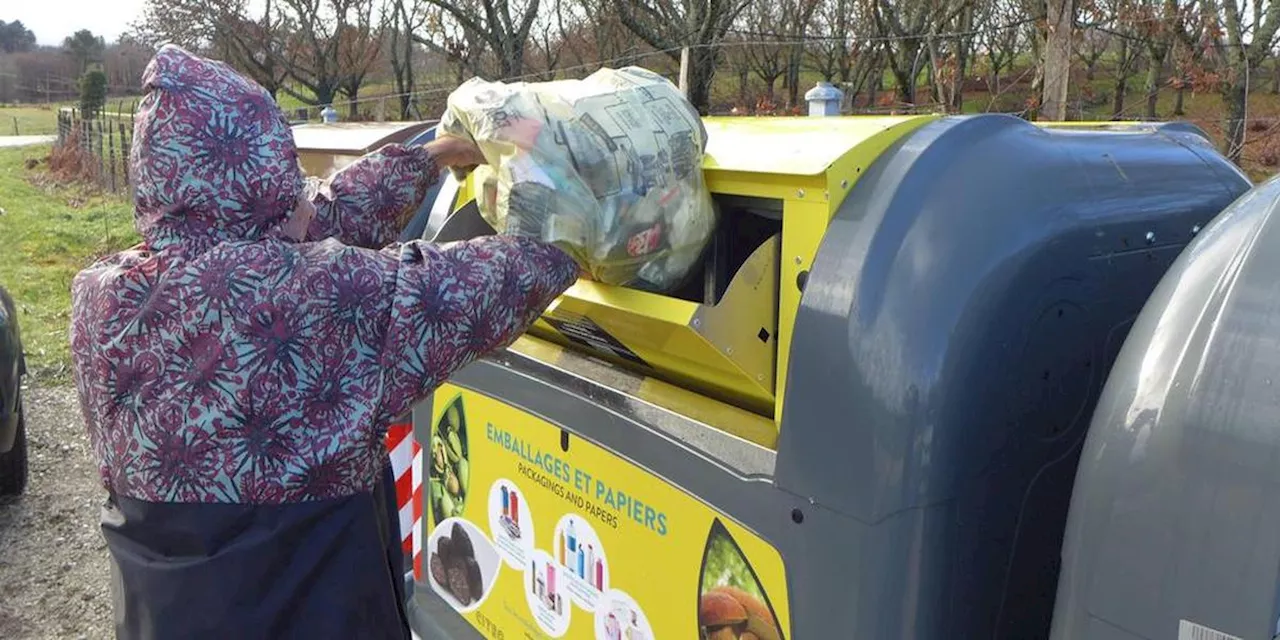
{"x": 101, "y": 154}
{"x": 684, "y": 71}
{"x": 126, "y": 149}
{"x": 111, "y": 154}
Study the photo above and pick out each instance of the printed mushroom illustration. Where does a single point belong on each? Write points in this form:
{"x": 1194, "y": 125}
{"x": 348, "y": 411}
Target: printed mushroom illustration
{"x": 759, "y": 622}
{"x": 721, "y": 616}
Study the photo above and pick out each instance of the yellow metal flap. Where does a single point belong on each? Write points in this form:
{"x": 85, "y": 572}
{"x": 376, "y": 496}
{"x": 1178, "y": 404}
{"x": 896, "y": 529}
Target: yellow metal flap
{"x": 806, "y": 166}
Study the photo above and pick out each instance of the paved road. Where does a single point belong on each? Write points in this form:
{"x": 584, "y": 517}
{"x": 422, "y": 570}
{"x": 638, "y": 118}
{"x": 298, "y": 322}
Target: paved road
{"x": 24, "y": 141}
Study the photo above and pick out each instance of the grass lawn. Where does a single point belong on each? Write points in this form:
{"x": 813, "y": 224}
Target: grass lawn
{"x": 29, "y": 120}
{"x": 49, "y": 233}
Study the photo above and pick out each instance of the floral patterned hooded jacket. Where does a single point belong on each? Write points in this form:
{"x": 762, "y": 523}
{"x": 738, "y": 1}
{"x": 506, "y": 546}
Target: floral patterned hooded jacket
{"x": 237, "y": 384}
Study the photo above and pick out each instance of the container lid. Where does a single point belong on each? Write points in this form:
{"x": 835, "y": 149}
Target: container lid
{"x": 789, "y": 146}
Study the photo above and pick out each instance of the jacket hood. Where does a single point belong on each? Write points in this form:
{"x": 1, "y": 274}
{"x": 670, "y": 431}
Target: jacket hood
{"x": 213, "y": 157}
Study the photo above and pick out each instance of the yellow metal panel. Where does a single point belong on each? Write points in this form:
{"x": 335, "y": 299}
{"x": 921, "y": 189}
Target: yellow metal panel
{"x": 718, "y": 415}
{"x": 659, "y": 331}
{"x": 792, "y": 146}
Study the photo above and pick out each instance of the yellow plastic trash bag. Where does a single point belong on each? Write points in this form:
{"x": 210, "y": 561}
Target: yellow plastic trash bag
{"x": 608, "y": 168}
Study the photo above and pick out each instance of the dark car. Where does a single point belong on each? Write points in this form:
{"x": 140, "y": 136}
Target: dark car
{"x": 13, "y": 436}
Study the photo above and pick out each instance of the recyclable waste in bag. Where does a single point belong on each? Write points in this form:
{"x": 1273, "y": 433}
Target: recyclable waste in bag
{"x": 609, "y": 168}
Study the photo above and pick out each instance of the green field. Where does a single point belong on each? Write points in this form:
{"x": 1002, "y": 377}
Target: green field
{"x": 28, "y": 120}
{"x": 49, "y": 233}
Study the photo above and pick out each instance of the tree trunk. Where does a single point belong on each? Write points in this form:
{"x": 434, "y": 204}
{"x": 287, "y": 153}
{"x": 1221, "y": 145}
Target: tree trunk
{"x": 1057, "y": 59}
{"x": 511, "y": 58}
{"x": 1178, "y": 101}
{"x": 402, "y": 60}
{"x": 353, "y": 104}
{"x": 963, "y": 43}
{"x": 1117, "y": 102}
{"x": 1122, "y": 82}
{"x": 906, "y": 87}
{"x": 1155, "y": 60}
{"x": 877, "y": 84}
{"x": 702, "y": 71}
{"x": 793, "y": 74}
{"x": 1153, "y": 96}
{"x": 962, "y": 69}
{"x": 743, "y": 77}
{"x": 324, "y": 96}
{"x": 1233, "y": 98}
{"x": 1275, "y": 77}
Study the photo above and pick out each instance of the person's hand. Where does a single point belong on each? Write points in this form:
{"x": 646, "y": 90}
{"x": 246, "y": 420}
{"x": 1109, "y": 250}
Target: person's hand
{"x": 455, "y": 153}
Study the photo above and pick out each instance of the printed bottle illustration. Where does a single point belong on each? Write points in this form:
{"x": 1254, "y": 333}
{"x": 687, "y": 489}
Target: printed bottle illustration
{"x": 544, "y": 590}
{"x": 510, "y": 517}
{"x": 511, "y": 523}
{"x": 619, "y": 617}
{"x": 732, "y": 603}
{"x": 581, "y": 555}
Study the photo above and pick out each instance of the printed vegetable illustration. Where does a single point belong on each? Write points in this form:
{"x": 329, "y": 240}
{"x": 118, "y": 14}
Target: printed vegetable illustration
{"x": 450, "y": 472}
{"x": 733, "y": 604}
{"x": 454, "y": 567}
{"x": 729, "y": 613}
{"x": 721, "y": 617}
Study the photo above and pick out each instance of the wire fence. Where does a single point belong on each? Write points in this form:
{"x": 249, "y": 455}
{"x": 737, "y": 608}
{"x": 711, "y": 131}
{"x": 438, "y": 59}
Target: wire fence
{"x": 97, "y": 147}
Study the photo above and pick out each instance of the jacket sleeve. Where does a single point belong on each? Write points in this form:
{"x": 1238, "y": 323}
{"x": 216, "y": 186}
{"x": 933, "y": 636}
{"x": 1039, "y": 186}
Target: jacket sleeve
{"x": 455, "y": 302}
{"x": 368, "y": 202}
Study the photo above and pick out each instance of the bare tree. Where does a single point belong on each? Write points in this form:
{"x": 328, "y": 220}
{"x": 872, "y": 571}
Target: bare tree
{"x": 547, "y": 46}
{"x": 907, "y": 29}
{"x": 254, "y": 45}
{"x": 700, "y": 25}
{"x": 737, "y": 55}
{"x": 833, "y": 55}
{"x": 1249, "y": 38}
{"x": 949, "y": 52}
{"x": 845, "y": 55}
{"x": 399, "y": 16}
{"x": 1060, "y": 26}
{"x": 1158, "y": 24}
{"x": 592, "y": 32}
{"x": 1129, "y": 52}
{"x": 501, "y": 25}
{"x": 1000, "y": 40}
{"x": 446, "y": 37}
{"x": 1092, "y": 44}
{"x": 766, "y": 23}
{"x": 359, "y": 48}
{"x": 1190, "y": 46}
{"x": 798, "y": 17}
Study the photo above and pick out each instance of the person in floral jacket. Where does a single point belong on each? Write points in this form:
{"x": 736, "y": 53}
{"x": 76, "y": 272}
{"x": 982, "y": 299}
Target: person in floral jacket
{"x": 237, "y": 371}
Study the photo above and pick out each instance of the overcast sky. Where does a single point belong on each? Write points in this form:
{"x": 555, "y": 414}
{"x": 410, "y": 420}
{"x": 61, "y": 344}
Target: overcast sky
{"x": 53, "y": 20}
